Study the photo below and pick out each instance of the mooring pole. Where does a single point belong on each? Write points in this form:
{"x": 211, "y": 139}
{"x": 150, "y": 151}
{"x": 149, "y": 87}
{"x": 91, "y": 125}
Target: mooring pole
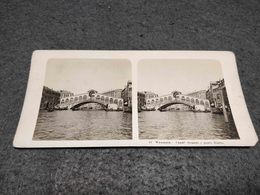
{"x": 224, "y": 106}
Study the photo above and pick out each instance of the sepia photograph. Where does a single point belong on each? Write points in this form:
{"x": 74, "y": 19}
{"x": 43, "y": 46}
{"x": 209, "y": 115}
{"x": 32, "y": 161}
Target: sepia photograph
{"x": 132, "y": 99}
{"x": 183, "y": 99}
{"x": 85, "y": 99}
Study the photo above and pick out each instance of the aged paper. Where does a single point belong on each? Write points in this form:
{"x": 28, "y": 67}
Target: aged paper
{"x": 134, "y": 98}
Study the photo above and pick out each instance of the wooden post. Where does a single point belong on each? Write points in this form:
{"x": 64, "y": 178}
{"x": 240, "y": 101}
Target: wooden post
{"x": 224, "y": 106}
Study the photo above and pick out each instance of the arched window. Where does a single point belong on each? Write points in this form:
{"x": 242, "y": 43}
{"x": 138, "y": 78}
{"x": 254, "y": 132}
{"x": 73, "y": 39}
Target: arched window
{"x": 71, "y": 100}
{"x": 120, "y": 102}
{"x": 207, "y": 104}
{"x": 67, "y": 100}
{"x": 115, "y": 101}
{"x": 165, "y": 98}
{"x": 197, "y": 101}
{"x": 192, "y": 100}
{"x": 80, "y": 98}
{"x": 183, "y": 98}
{"x": 62, "y": 101}
{"x": 187, "y": 99}
{"x": 201, "y": 102}
{"x": 85, "y": 97}
{"x": 102, "y": 98}
{"x": 170, "y": 98}
{"x": 98, "y": 97}
{"x": 161, "y": 99}
{"x": 106, "y": 99}
{"x": 76, "y": 99}
{"x": 111, "y": 101}
{"x": 152, "y": 101}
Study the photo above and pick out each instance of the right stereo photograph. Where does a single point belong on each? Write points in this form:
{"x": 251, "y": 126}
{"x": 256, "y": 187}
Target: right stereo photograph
{"x": 183, "y": 99}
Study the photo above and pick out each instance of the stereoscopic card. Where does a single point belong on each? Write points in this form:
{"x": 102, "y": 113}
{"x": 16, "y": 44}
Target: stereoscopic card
{"x": 134, "y": 99}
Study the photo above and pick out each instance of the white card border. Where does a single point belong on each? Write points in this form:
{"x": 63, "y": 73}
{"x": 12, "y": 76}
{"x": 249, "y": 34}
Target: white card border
{"x": 26, "y": 126}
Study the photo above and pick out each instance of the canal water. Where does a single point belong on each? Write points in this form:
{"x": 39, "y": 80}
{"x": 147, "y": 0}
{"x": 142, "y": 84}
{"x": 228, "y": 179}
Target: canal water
{"x": 185, "y": 125}
{"x": 83, "y": 125}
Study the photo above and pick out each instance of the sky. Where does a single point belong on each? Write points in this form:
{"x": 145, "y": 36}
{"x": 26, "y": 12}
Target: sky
{"x": 81, "y": 75}
{"x": 165, "y": 76}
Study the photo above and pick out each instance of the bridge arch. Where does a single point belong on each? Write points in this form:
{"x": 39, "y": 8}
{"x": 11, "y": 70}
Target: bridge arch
{"x": 172, "y": 103}
{"x": 75, "y": 106}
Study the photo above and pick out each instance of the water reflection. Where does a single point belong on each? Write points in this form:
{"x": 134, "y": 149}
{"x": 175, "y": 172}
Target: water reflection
{"x": 185, "y": 125}
{"x": 83, "y": 125}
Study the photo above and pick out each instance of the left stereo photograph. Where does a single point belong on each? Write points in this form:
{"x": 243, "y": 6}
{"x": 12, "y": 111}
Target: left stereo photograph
{"x": 85, "y": 99}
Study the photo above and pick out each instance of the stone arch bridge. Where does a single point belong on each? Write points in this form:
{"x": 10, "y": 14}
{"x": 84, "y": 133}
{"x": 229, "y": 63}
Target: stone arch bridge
{"x": 165, "y": 101}
{"x": 73, "y": 102}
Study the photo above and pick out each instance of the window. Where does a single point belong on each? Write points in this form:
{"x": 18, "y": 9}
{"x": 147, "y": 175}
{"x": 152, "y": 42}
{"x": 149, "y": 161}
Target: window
{"x": 107, "y": 99}
{"x": 111, "y": 101}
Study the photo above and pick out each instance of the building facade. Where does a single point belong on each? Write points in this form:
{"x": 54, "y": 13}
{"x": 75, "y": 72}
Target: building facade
{"x": 198, "y": 94}
{"x": 149, "y": 94}
{"x": 126, "y": 95}
{"x": 217, "y": 95}
{"x": 50, "y": 98}
{"x": 141, "y": 97}
{"x": 65, "y": 94}
{"x": 114, "y": 93}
